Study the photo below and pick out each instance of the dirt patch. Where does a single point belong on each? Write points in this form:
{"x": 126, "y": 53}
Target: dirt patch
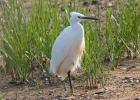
{"x": 120, "y": 84}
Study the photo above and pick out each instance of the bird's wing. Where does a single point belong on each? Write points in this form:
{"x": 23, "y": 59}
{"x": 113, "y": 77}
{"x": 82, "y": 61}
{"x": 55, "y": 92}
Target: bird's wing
{"x": 60, "y": 50}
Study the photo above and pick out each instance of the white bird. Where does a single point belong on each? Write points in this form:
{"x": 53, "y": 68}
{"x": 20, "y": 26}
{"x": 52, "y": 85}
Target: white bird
{"x": 68, "y": 47}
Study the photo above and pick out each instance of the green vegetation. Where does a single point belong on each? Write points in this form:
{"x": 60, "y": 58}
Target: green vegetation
{"x": 122, "y": 30}
{"x": 4, "y": 95}
{"x": 28, "y": 34}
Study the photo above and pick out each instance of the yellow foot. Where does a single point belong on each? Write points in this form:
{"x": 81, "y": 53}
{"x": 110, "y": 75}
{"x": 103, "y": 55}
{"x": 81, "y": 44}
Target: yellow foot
{"x": 73, "y": 94}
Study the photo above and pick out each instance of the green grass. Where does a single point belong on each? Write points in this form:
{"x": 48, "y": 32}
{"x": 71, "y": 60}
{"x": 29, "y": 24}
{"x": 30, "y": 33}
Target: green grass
{"x": 4, "y": 95}
{"x": 122, "y": 29}
{"x": 28, "y": 35}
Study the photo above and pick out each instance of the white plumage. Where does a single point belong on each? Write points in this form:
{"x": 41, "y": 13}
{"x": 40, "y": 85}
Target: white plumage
{"x": 68, "y": 47}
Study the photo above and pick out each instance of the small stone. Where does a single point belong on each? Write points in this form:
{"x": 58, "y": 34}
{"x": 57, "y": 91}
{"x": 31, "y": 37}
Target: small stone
{"x": 124, "y": 68}
{"x": 137, "y": 81}
{"x": 131, "y": 81}
{"x": 5, "y": 87}
{"x": 125, "y": 81}
{"x": 110, "y": 4}
{"x": 98, "y": 96}
{"x": 46, "y": 79}
{"x": 50, "y": 92}
{"x": 40, "y": 92}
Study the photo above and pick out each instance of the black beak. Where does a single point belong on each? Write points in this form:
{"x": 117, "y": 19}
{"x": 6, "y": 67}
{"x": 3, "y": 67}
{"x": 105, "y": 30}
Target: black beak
{"x": 90, "y": 18}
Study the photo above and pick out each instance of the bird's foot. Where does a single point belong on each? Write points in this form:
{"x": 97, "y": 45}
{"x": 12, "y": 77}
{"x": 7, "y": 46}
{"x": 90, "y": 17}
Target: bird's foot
{"x": 73, "y": 94}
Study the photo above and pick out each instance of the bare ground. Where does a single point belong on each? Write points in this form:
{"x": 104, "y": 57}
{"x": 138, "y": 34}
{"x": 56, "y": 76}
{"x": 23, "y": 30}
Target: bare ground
{"x": 120, "y": 84}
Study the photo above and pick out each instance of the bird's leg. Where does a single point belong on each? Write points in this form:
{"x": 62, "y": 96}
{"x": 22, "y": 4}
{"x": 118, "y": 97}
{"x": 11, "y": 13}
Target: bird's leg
{"x": 70, "y": 82}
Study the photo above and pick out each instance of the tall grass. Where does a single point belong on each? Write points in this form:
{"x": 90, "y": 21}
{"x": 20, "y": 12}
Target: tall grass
{"x": 122, "y": 30}
{"x": 28, "y": 34}
{"x": 15, "y": 46}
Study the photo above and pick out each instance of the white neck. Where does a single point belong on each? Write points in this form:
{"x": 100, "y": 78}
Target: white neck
{"x": 73, "y": 21}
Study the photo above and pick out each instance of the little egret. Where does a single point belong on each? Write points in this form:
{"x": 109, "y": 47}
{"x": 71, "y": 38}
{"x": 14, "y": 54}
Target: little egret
{"x": 68, "y": 48}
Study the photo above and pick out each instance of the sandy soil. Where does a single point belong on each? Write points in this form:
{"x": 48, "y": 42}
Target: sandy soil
{"x": 120, "y": 84}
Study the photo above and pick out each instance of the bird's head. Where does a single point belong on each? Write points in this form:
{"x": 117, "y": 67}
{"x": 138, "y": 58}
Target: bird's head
{"x": 77, "y": 17}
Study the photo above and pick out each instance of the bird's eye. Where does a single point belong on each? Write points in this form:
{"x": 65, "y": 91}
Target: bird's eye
{"x": 79, "y": 17}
